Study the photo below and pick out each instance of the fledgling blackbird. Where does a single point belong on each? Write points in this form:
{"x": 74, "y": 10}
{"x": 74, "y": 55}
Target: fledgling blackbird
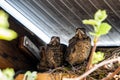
{"x": 79, "y": 47}
{"x": 52, "y": 55}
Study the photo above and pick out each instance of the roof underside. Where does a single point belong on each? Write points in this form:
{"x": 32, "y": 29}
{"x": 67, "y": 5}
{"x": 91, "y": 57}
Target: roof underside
{"x": 62, "y": 17}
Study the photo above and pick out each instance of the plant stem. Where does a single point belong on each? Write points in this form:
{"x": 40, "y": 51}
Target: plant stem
{"x": 113, "y": 74}
{"x": 89, "y": 65}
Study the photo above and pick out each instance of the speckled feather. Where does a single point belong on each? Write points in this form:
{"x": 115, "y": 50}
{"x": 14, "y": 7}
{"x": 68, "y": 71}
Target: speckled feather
{"x": 79, "y": 47}
{"x": 52, "y": 55}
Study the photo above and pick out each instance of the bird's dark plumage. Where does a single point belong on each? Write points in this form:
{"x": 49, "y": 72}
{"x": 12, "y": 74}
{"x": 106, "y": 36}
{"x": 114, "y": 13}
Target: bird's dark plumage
{"x": 79, "y": 47}
{"x": 52, "y": 55}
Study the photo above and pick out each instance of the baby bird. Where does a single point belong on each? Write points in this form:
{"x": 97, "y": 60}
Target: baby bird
{"x": 53, "y": 53}
{"x": 79, "y": 47}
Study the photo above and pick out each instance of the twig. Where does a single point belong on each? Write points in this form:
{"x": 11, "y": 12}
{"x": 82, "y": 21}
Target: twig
{"x": 92, "y": 53}
{"x": 113, "y": 74}
{"x": 93, "y": 69}
{"x": 89, "y": 65}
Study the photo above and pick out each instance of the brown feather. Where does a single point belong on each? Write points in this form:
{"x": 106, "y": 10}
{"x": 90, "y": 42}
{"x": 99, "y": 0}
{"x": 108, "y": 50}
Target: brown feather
{"x": 54, "y": 53}
{"x": 79, "y": 47}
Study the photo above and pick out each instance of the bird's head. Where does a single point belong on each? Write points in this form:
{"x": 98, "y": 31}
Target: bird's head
{"x": 80, "y": 32}
{"x": 55, "y": 40}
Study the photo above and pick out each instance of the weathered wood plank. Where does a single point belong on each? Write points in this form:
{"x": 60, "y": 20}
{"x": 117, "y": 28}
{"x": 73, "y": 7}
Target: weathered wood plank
{"x": 87, "y": 6}
{"x": 65, "y": 12}
{"x": 55, "y": 17}
{"x": 76, "y": 10}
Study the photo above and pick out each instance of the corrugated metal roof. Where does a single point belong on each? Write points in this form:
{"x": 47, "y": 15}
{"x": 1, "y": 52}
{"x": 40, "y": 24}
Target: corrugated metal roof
{"x": 62, "y": 17}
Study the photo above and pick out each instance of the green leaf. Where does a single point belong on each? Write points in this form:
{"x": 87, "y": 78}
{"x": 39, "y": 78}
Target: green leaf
{"x": 97, "y": 57}
{"x": 91, "y": 33}
{"x": 100, "y": 28}
{"x": 4, "y": 19}
{"x": 8, "y": 73}
{"x": 90, "y": 22}
{"x": 103, "y": 29}
{"x": 26, "y": 75}
{"x": 33, "y": 76}
{"x": 100, "y": 15}
{"x": 30, "y": 75}
{"x": 7, "y": 34}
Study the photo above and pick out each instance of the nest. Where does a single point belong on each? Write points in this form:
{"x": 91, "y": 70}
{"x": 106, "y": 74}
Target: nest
{"x": 98, "y": 74}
